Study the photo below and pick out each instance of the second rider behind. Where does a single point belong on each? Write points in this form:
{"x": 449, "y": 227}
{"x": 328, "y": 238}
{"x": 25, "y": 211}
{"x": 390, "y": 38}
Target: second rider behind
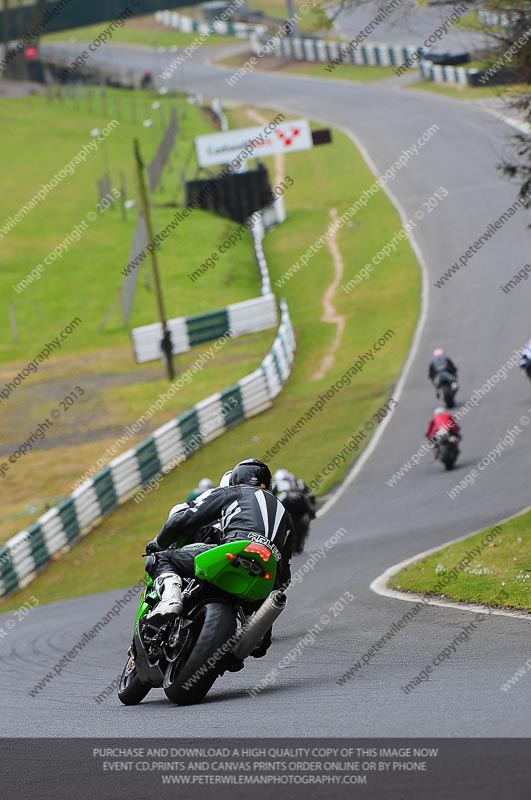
{"x": 440, "y": 363}
{"x": 442, "y": 420}
{"x": 299, "y": 501}
{"x": 525, "y": 361}
{"x": 443, "y": 374}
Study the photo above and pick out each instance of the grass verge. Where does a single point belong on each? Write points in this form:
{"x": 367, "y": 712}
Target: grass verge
{"x": 499, "y": 572}
{"x": 313, "y": 20}
{"x": 471, "y": 22}
{"x": 324, "y": 177}
{"x": 466, "y": 92}
{"x": 348, "y": 72}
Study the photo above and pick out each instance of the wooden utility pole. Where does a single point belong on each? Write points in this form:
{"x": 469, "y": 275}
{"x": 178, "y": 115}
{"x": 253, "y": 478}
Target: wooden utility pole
{"x": 39, "y": 10}
{"x": 6, "y": 26}
{"x": 166, "y": 343}
{"x": 291, "y": 16}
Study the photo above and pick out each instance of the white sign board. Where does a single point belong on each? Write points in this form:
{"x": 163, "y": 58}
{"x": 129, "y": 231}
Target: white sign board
{"x": 238, "y": 145}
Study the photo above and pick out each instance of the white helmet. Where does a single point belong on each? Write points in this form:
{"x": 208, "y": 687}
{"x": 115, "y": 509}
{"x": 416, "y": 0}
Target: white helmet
{"x": 438, "y": 410}
{"x": 281, "y": 475}
{"x": 205, "y": 484}
{"x": 225, "y": 478}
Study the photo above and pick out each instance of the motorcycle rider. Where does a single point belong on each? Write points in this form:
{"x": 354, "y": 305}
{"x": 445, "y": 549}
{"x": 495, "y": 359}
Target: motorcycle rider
{"x": 203, "y": 486}
{"x": 245, "y": 509}
{"x": 440, "y": 363}
{"x": 295, "y": 495}
{"x": 442, "y": 420}
{"x": 525, "y": 361}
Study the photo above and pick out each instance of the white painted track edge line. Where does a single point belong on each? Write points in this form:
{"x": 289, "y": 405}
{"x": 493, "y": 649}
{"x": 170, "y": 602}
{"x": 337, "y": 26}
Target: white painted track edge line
{"x": 514, "y": 122}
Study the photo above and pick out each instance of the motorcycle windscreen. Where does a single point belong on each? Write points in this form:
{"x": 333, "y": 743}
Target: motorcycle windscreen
{"x": 241, "y": 568}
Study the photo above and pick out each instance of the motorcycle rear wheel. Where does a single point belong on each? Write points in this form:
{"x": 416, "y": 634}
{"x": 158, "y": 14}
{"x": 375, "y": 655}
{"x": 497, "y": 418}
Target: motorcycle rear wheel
{"x": 448, "y": 397}
{"x": 215, "y": 624}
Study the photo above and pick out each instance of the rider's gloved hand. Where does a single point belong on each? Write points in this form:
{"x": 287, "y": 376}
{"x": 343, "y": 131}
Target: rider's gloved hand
{"x": 153, "y": 547}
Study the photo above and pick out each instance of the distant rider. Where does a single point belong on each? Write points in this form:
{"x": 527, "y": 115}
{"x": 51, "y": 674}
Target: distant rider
{"x": 525, "y": 361}
{"x": 245, "y": 509}
{"x": 295, "y": 495}
{"x": 440, "y": 363}
{"x": 442, "y": 420}
{"x": 203, "y": 486}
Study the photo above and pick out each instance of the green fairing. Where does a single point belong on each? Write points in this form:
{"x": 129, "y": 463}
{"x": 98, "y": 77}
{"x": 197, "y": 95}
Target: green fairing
{"x": 214, "y": 567}
{"x": 143, "y": 607}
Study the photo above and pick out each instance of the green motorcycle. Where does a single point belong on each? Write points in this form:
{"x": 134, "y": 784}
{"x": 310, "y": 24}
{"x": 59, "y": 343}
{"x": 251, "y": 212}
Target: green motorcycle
{"x": 227, "y": 608}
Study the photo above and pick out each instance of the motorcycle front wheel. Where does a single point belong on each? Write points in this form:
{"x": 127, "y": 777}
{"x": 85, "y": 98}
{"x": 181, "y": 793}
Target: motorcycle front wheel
{"x": 131, "y": 691}
{"x": 448, "y": 458}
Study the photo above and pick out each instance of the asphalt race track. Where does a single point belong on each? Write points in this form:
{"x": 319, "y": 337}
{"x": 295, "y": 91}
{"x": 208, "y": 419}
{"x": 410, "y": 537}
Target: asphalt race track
{"x": 480, "y": 327}
{"x": 402, "y": 27}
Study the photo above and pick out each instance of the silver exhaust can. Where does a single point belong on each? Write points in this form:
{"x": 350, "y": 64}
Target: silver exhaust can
{"x": 253, "y": 632}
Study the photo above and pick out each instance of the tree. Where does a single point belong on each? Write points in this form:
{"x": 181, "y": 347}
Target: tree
{"x": 509, "y": 34}
{"x": 6, "y": 25}
{"x": 513, "y": 50}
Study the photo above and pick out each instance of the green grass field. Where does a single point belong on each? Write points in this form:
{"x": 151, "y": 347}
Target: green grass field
{"x": 86, "y": 279}
{"x": 313, "y": 20}
{"x": 471, "y": 22}
{"x": 466, "y": 92}
{"x": 498, "y": 575}
{"x": 146, "y": 31}
{"x": 140, "y": 30}
{"x": 321, "y": 181}
{"x": 85, "y": 283}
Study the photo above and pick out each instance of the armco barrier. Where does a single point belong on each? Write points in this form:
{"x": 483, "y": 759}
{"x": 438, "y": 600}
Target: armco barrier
{"x": 60, "y": 528}
{"x": 249, "y": 316}
{"x": 184, "y": 24}
{"x": 464, "y": 76}
{"x": 323, "y": 51}
{"x": 258, "y": 232}
{"x": 441, "y": 74}
{"x": 217, "y": 110}
{"x": 499, "y": 19}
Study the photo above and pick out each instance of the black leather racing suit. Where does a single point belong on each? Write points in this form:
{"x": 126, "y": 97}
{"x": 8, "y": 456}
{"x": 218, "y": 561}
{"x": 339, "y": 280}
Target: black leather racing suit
{"x": 441, "y": 364}
{"x": 241, "y": 512}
